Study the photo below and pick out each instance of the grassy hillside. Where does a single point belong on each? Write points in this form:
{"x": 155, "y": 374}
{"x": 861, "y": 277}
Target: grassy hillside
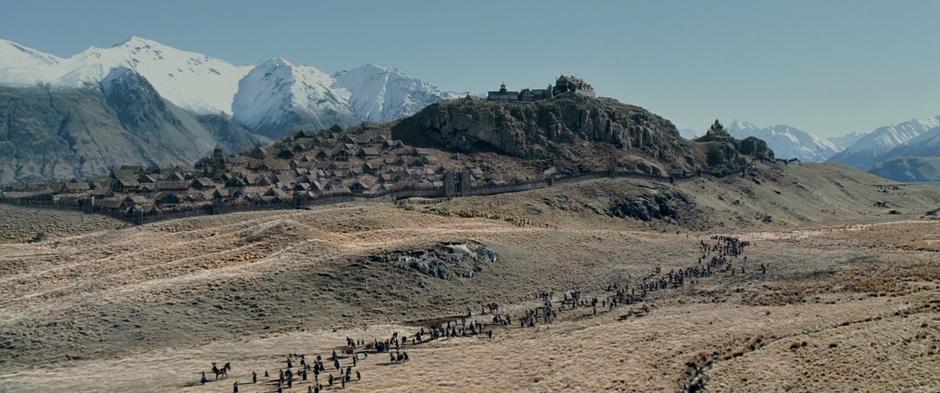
{"x": 252, "y": 286}
{"x": 797, "y": 195}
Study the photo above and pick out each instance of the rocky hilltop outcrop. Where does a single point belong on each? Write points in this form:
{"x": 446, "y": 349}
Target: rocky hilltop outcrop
{"x": 721, "y": 149}
{"x": 530, "y": 129}
{"x": 571, "y": 130}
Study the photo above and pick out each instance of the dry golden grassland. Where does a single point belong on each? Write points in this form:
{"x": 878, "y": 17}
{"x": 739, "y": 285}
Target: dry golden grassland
{"x": 850, "y": 300}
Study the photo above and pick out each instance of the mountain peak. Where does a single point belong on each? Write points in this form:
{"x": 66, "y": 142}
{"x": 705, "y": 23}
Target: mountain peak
{"x": 878, "y": 144}
{"x": 275, "y": 62}
{"x": 377, "y": 68}
{"x": 787, "y": 141}
{"x": 13, "y": 47}
{"x": 193, "y": 81}
{"x": 277, "y": 96}
{"x": 380, "y": 93}
{"x": 135, "y": 41}
{"x": 23, "y": 66}
{"x": 373, "y": 69}
{"x": 741, "y": 125}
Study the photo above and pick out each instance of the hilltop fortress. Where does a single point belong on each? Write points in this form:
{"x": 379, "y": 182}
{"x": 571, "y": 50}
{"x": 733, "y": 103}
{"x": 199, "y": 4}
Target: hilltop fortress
{"x": 563, "y": 84}
{"x": 511, "y": 141}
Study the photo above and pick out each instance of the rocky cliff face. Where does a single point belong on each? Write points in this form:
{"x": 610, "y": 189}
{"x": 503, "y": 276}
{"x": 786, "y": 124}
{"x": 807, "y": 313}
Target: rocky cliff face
{"x": 571, "y": 129}
{"x": 63, "y": 133}
{"x": 530, "y": 129}
{"x": 136, "y": 103}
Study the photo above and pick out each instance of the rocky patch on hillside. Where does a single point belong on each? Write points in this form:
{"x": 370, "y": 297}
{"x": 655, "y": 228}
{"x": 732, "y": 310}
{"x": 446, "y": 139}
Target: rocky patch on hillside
{"x": 446, "y": 261}
{"x": 655, "y": 204}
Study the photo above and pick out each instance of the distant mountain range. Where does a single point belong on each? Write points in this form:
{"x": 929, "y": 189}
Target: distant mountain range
{"x": 908, "y": 151}
{"x": 888, "y": 142}
{"x": 846, "y": 140}
{"x": 265, "y": 97}
{"x": 138, "y": 101}
{"x": 786, "y": 141}
{"x": 253, "y": 103}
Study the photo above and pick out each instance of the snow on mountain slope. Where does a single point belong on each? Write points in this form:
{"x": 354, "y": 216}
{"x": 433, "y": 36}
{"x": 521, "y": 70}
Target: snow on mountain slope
{"x": 190, "y": 80}
{"x": 846, "y": 140}
{"x": 869, "y": 149}
{"x": 277, "y": 94}
{"x": 22, "y": 66}
{"x": 923, "y": 145}
{"x": 381, "y": 94}
{"x": 272, "y": 98}
{"x": 787, "y": 141}
{"x": 277, "y": 97}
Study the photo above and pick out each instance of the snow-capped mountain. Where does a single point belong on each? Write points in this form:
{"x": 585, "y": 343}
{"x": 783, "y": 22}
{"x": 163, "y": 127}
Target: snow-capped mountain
{"x": 923, "y": 145}
{"x": 22, "y": 66}
{"x": 193, "y": 81}
{"x": 787, "y": 141}
{"x": 273, "y": 98}
{"x": 381, "y": 94}
{"x": 871, "y": 148}
{"x": 277, "y": 95}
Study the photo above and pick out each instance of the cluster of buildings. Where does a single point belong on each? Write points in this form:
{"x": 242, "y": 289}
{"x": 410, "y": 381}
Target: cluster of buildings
{"x": 564, "y": 84}
{"x": 299, "y": 169}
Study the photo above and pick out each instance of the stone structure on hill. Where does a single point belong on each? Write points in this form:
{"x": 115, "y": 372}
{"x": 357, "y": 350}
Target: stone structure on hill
{"x": 564, "y": 84}
{"x": 524, "y": 95}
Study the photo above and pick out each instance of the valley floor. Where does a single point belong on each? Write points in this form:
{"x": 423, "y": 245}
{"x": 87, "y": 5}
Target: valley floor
{"x": 847, "y": 304}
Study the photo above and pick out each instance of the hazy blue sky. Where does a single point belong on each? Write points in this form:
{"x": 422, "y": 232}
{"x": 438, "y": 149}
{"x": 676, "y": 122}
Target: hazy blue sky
{"x": 825, "y": 66}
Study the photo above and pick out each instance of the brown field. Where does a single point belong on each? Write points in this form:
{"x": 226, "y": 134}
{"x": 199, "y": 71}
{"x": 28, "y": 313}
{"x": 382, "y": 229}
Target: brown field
{"x": 850, "y": 300}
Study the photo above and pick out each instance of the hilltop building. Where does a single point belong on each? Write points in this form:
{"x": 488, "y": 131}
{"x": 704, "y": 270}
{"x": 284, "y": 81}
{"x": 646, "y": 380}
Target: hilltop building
{"x": 563, "y": 84}
{"x": 524, "y": 95}
{"x": 566, "y": 84}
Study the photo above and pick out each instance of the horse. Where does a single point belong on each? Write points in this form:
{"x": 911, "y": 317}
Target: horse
{"x": 221, "y": 371}
{"x": 493, "y": 308}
